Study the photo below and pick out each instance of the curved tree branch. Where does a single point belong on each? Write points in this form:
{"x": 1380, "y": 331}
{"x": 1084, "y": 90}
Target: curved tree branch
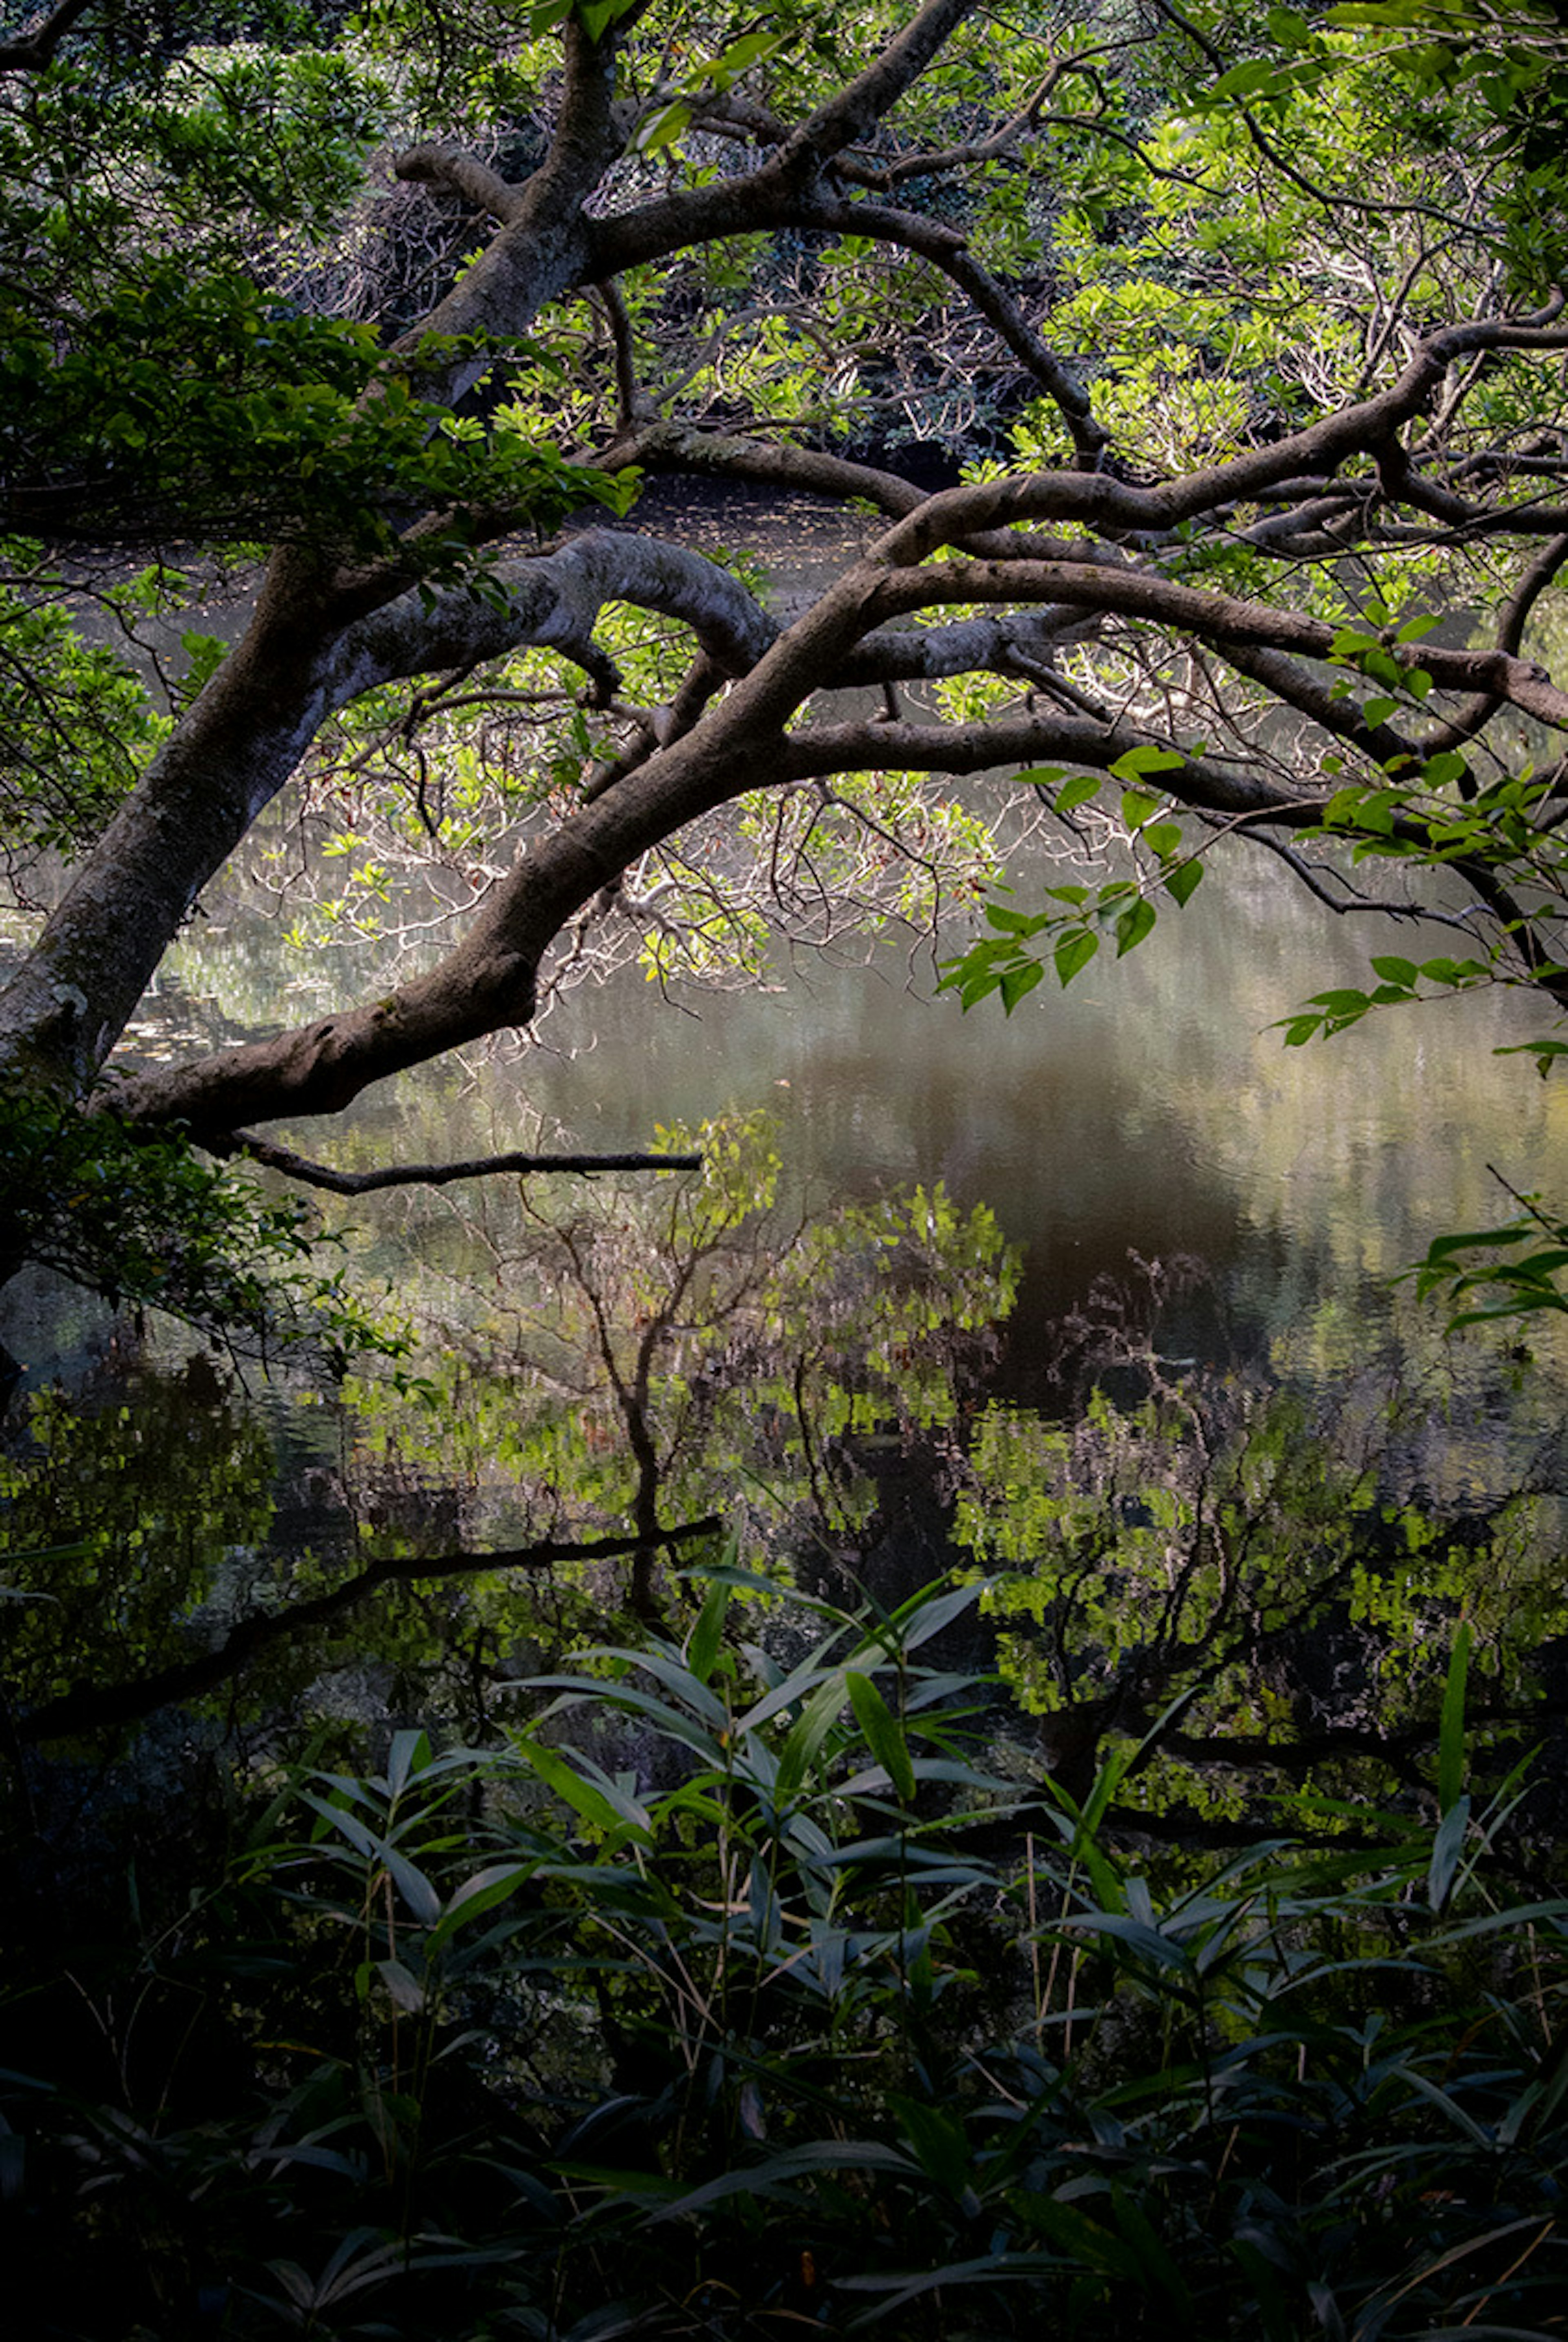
{"x": 946, "y": 251}
{"x": 1455, "y": 731}
{"x": 454, "y": 169}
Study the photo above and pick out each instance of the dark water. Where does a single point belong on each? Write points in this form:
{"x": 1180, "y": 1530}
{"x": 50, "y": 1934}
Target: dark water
{"x": 1147, "y": 1115}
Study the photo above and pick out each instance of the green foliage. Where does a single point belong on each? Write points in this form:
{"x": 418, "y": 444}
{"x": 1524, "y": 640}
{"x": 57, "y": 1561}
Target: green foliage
{"x": 654, "y": 1345}
{"x": 1501, "y": 61}
{"x": 140, "y": 1218}
{"x": 1514, "y": 1270}
{"x": 76, "y": 726}
{"x": 790, "y": 2014}
{"x": 207, "y": 404}
{"x": 154, "y": 380}
{"x": 159, "y": 1480}
{"x": 1223, "y": 1548}
{"x": 1398, "y": 986}
{"x": 1120, "y": 909}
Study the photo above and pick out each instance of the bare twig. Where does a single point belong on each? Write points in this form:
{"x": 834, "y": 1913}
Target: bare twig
{"x": 266, "y": 1152}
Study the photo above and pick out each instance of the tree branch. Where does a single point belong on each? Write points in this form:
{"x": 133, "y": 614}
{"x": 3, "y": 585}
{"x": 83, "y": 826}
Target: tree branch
{"x": 1221, "y": 619}
{"x": 274, "y": 1157}
{"x": 1117, "y": 507}
{"x": 95, "y": 1708}
{"x": 984, "y": 150}
{"x": 1204, "y": 783}
{"x": 553, "y": 601}
{"x": 630, "y": 403}
{"x": 454, "y": 169}
{"x": 946, "y": 251}
{"x": 727, "y": 455}
{"x": 847, "y": 117}
{"x": 1457, "y": 730}
{"x": 35, "y": 49}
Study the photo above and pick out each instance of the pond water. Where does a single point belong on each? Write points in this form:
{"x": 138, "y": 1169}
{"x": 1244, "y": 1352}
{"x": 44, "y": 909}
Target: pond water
{"x": 1150, "y": 1107}
{"x": 1147, "y": 1115}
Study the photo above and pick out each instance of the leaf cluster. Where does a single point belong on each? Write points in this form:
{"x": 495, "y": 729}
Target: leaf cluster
{"x": 139, "y": 1218}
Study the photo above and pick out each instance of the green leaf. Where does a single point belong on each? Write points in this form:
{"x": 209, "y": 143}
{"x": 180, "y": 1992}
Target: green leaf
{"x": 1343, "y": 809}
{"x": 409, "y": 1753}
{"x": 596, "y": 1807}
{"x": 1138, "y": 762}
{"x": 1137, "y": 804}
{"x": 1447, "y": 1847}
{"x": 1138, "y": 1935}
{"x": 749, "y": 50}
{"x": 1081, "y": 2240}
{"x": 930, "y": 1612}
{"x": 1076, "y": 792}
{"x": 937, "y": 2138}
{"x": 478, "y": 1895}
{"x": 814, "y": 1723}
{"x": 883, "y": 1734}
{"x": 1543, "y": 1052}
{"x": 412, "y": 1885}
{"x": 1393, "y": 970}
{"x": 597, "y": 17}
{"x": 1018, "y": 981}
{"x": 663, "y": 128}
{"x": 1241, "y": 80}
{"x": 1182, "y": 883}
{"x": 771, "y": 2177}
{"x": 1455, "y": 971}
{"x": 706, "y": 1638}
{"x": 1134, "y": 926}
{"x": 1073, "y": 953}
{"x": 405, "y": 1987}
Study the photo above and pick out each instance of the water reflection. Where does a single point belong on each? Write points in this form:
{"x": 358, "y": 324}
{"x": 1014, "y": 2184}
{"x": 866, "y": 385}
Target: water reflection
{"x": 1151, "y": 1110}
{"x": 1151, "y": 1105}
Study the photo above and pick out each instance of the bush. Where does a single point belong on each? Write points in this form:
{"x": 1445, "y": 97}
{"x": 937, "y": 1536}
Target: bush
{"x": 734, "y": 1992}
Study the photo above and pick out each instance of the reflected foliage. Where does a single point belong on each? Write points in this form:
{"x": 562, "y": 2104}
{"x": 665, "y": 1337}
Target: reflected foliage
{"x": 1285, "y": 1572}
{"x": 127, "y": 1509}
{"x": 638, "y": 1359}
{"x": 141, "y": 1218}
{"x": 634, "y": 1353}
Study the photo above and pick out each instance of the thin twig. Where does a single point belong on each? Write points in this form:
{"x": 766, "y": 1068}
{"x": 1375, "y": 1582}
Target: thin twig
{"x": 274, "y": 1157}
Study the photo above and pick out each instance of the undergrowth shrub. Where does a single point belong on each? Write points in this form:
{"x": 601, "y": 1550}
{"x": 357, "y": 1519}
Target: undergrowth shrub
{"x": 805, "y": 2015}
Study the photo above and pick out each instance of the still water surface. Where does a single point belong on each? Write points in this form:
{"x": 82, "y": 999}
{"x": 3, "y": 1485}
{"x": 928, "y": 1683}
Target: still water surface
{"x": 1151, "y": 1109}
